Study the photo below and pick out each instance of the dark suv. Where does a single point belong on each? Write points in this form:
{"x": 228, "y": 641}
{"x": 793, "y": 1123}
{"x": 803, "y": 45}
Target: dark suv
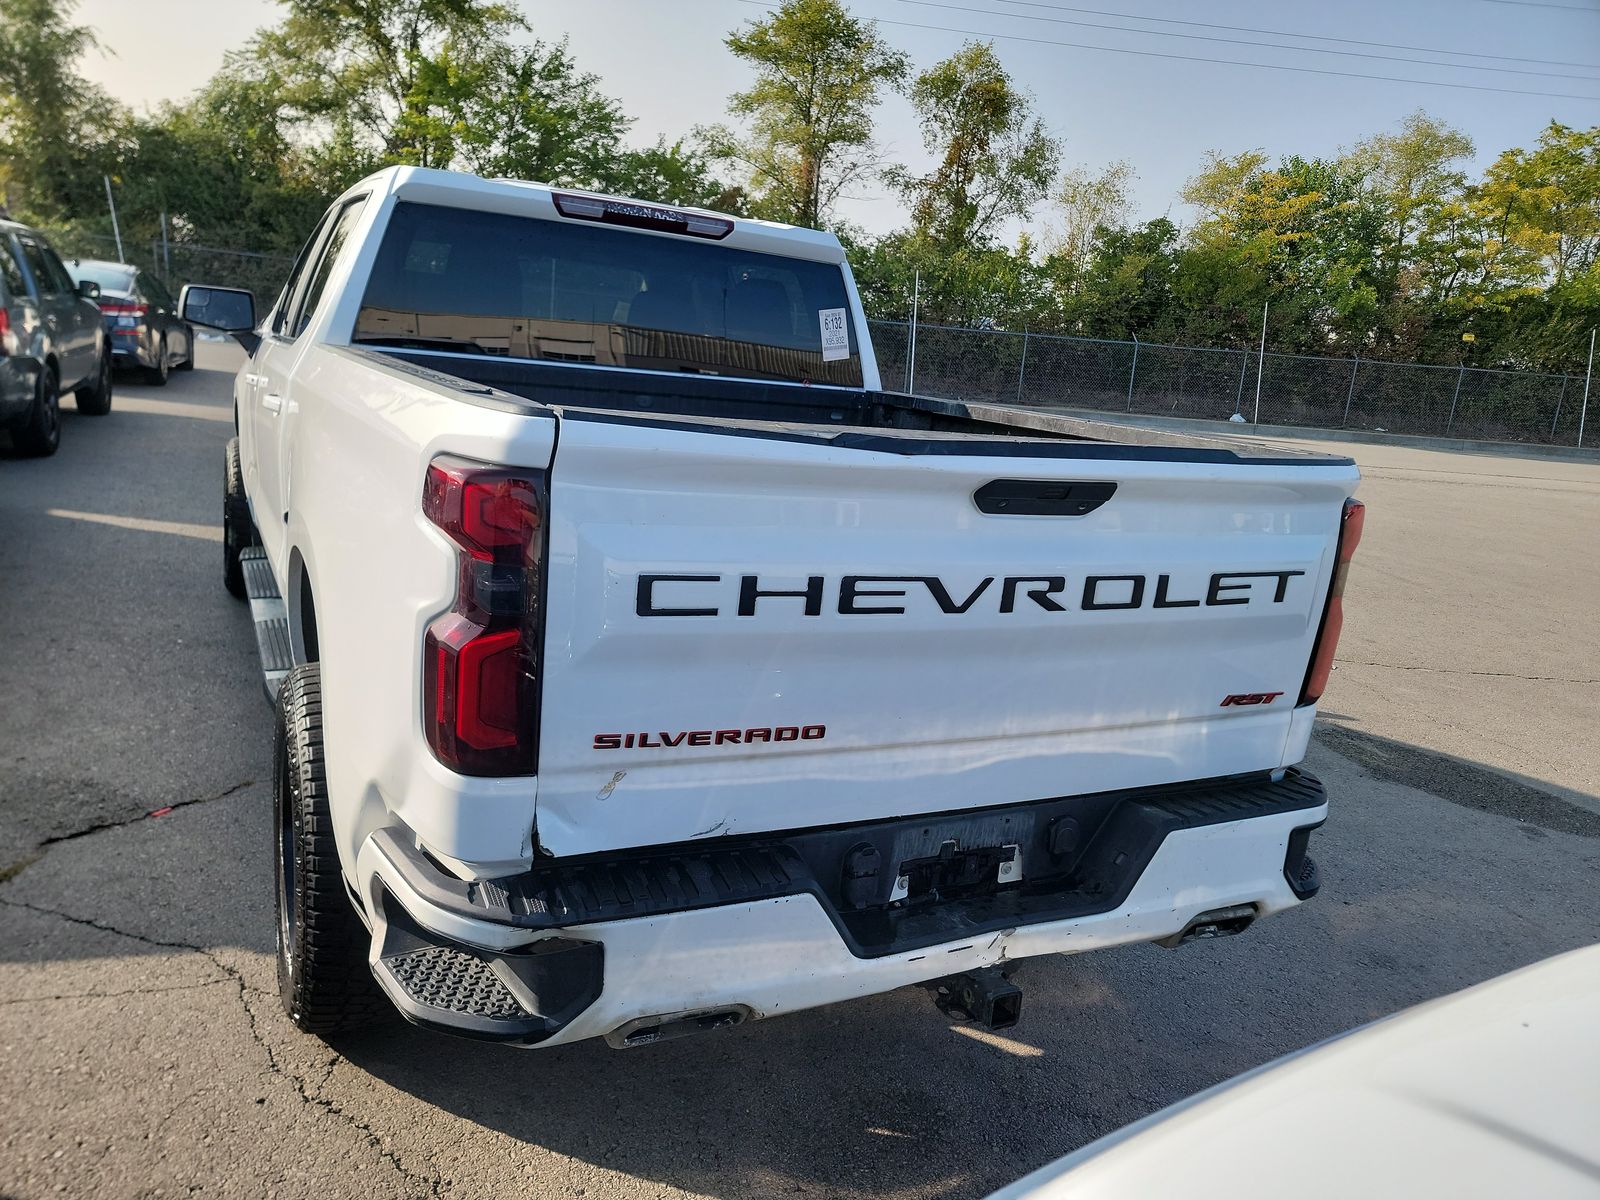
{"x": 52, "y": 340}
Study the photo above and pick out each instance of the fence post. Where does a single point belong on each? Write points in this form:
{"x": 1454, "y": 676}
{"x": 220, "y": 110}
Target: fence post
{"x": 1023, "y": 369}
{"x": 1556, "y": 420}
{"x": 1134, "y": 371}
{"x": 116, "y": 229}
{"x": 1588, "y": 375}
{"x": 911, "y": 354}
{"x": 1451, "y": 419}
{"x": 1355, "y": 366}
{"x": 1238, "y": 400}
{"x": 1261, "y": 363}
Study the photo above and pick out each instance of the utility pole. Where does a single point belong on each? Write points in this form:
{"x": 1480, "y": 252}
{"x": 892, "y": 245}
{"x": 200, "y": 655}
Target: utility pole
{"x": 911, "y": 356}
{"x": 112, "y": 205}
{"x": 1261, "y": 362}
{"x": 1588, "y": 375}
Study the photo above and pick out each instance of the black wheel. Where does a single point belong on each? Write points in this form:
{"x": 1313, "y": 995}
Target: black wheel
{"x": 94, "y": 398}
{"x": 40, "y": 431}
{"x": 323, "y": 977}
{"x": 238, "y": 531}
{"x": 156, "y": 376}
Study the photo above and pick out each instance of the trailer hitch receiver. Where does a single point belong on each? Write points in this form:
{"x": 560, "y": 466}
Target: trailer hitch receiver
{"x": 985, "y": 997}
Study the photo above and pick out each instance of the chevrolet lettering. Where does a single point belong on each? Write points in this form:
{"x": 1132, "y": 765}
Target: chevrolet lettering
{"x": 887, "y": 595}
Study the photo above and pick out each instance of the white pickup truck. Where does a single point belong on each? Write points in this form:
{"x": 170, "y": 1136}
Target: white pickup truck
{"x": 642, "y": 667}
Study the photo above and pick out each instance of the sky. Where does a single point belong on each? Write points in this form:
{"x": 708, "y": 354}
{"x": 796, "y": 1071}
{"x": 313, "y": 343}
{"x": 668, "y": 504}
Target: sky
{"x": 1138, "y": 91}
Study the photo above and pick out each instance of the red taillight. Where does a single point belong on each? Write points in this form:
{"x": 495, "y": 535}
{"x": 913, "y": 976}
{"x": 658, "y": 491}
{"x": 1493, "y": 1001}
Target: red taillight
{"x": 5, "y": 322}
{"x": 480, "y": 660}
{"x": 124, "y": 310}
{"x": 1350, "y": 526}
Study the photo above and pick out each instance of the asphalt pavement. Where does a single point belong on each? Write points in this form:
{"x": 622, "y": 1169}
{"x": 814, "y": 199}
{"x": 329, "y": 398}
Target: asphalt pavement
{"x": 144, "y": 1052}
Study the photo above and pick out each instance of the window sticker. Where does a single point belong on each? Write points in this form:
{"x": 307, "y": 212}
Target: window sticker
{"x": 835, "y": 334}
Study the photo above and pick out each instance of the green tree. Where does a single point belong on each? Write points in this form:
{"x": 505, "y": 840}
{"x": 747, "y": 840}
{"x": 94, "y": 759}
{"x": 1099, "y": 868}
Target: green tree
{"x": 1090, "y": 202}
{"x": 523, "y": 112}
{"x": 671, "y": 173}
{"x": 1412, "y": 173}
{"x": 56, "y": 128}
{"x": 994, "y": 158}
{"x": 820, "y": 74}
{"x": 1125, "y": 286}
{"x": 378, "y": 74}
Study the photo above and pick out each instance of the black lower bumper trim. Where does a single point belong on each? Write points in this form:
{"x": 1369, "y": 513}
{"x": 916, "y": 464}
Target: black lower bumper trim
{"x": 521, "y": 997}
{"x": 889, "y": 886}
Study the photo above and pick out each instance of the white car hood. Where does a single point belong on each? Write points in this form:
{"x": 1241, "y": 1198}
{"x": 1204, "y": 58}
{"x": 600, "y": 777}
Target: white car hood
{"x": 1492, "y": 1092}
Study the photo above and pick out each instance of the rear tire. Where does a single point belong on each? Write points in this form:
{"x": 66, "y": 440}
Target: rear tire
{"x": 238, "y": 530}
{"x": 323, "y": 977}
{"x": 39, "y": 435}
{"x": 156, "y": 376}
{"x": 94, "y": 400}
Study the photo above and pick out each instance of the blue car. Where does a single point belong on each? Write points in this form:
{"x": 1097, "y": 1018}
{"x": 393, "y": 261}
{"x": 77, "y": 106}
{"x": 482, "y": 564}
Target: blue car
{"x": 147, "y": 334}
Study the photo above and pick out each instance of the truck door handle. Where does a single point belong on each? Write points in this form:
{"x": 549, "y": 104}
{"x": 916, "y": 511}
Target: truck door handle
{"x": 1042, "y": 497}
{"x": 253, "y": 381}
{"x": 272, "y": 402}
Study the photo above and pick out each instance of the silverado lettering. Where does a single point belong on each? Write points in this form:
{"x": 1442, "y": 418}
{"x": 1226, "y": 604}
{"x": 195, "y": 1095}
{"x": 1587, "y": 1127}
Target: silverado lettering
{"x": 710, "y": 737}
{"x": 883, "y": 595}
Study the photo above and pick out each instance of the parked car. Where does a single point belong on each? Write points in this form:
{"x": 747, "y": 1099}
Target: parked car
{"x": 643, "y": 667}
{"x": 1491, "y": 1092}
{"x": 51, "y": 341}
{"x": 141, "y": 318}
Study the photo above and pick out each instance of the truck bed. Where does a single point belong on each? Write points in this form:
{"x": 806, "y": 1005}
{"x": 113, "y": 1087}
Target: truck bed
{"x": 841, "y": 417}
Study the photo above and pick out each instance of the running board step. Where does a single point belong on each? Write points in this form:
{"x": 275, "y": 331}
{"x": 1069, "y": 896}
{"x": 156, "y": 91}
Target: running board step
{"x": 271, "y": 616}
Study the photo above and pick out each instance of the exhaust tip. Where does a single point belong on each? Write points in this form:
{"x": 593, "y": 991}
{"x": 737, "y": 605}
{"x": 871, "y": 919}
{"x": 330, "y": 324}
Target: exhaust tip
{"x": 646, "y": 1031}
{"x": 1218, "y": 923}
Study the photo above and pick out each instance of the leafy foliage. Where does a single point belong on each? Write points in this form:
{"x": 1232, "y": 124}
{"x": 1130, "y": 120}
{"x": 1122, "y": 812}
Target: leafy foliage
{"x": 820, "y": 73}
{"x": 1388, "y": 249}
{"x": 995, "y": 159}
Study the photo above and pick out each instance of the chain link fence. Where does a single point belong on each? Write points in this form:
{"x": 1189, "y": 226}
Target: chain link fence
{"x": 1053, "y": 371}
{"x": 178, "y": 263}
{"x": 1141, "y": 378}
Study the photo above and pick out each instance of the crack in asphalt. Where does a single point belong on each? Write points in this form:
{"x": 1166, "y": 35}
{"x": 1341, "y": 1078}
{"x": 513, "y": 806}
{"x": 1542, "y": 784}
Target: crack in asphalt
{"x": 144, "y": 991}
{"x": 1357, "y": 662}
{"x": 101, "y": 826}
{"x": 432, "y": 1182}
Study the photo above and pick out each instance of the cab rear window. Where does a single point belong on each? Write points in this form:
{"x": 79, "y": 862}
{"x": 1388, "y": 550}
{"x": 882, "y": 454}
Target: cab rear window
{"x": 490, "y": 283}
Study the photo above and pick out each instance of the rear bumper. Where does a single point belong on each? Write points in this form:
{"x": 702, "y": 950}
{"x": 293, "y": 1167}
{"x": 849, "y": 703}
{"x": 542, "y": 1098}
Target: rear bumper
{"x": 18, "y": 380}
{"x": 130, "y": 348}
{"x": 781, "y": 923}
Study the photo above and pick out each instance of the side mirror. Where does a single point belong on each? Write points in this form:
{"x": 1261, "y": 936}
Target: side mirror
{"x": 88, "y": 289}
{"x": 231, "y": 310}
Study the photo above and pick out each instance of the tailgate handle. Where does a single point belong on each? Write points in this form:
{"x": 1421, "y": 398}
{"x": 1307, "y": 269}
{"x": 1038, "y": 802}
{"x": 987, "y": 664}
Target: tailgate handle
{"x": 1042, "y": 497}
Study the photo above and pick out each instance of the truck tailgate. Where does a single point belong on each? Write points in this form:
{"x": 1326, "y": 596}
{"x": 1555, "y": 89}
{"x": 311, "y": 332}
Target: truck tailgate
{"x": 930, "y": 656}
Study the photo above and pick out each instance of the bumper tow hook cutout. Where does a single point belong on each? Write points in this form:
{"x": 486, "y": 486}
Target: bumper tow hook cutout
{"x": 985, "y": 997}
